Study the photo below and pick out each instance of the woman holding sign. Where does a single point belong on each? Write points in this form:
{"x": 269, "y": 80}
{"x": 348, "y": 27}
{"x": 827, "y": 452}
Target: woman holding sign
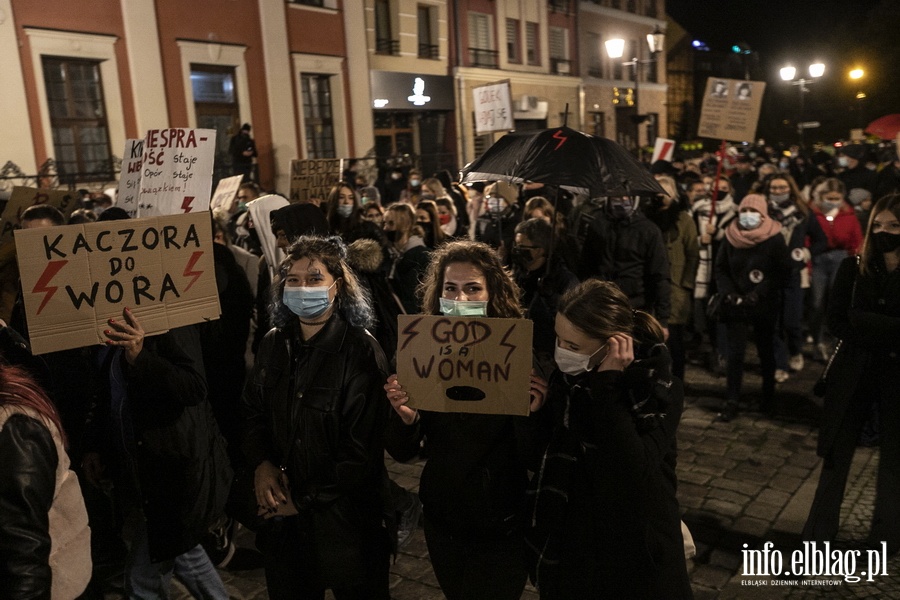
{"x": 603, "y": 519}
{"x": 474, "y": 482}
{"x": 314, "y": 422}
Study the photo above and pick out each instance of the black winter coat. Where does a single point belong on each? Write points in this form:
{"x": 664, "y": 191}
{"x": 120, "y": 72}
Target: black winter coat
{"x": 630, "y": 253}
{"x": 182, "y": 469}
{"x": 868, "y": 323}
{"x": 474, "y": 481}
{"x": 335, "y": 459}
{"x": 761, "y": 270}
{"x": 616, "y": 532}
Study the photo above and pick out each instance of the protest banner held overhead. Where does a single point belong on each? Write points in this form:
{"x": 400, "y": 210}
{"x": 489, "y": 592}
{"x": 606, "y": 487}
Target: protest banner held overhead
{"x": 130, "y": 178}
{"x": 176, "y": 171}
{"x": 731, "y": 109}
{"x": 23, "y": 197}
{"x": 75, "y": 277}
{"x": 493, "y": 107}
{"x": 225, "y": 193}
{"x": 465, "y": 364}
{"x": 314, "y": 178}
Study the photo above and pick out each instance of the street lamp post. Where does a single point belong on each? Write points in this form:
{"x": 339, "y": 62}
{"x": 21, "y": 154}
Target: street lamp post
{"x": 856, "y": 75}
{"x": 788, "y": 73}
{"x": 615, "y": 48}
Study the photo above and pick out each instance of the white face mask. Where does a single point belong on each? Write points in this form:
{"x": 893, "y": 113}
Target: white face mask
{"x": 573, "y": 363}
{"x": 463, "y": 308}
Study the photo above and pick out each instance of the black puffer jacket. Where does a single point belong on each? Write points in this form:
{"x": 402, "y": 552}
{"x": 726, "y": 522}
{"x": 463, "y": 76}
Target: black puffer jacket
{"x": 632, "y": 254}
{"x": 335, "y": 460}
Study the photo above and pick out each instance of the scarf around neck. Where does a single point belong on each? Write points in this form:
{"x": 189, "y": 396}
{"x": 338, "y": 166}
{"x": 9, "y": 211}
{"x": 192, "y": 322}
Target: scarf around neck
{"x": 748, "y": 238}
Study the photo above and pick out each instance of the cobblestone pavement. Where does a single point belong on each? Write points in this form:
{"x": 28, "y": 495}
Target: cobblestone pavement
{"x": 750, "y": 481}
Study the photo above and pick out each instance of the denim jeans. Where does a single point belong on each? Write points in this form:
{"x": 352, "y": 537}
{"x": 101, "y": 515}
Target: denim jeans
{"x": 146, "y": 580}
{"x": 824, "y": 269}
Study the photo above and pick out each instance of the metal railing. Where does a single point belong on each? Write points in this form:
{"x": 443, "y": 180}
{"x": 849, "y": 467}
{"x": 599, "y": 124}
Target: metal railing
{"x": 49, "y": 177}
{"x": 386, "y": 46}
{"x": 481, "y": 57}
{"x": 428, "y": 51}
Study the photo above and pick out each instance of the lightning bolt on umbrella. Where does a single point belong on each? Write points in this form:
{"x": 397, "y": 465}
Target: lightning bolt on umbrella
{"x": 579, "y": 162}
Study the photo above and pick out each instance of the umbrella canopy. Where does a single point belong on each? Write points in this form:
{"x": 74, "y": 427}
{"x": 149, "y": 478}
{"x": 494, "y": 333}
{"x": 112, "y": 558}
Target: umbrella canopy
{"x": 886, "y": 127}
{"x": 567, "y": 158}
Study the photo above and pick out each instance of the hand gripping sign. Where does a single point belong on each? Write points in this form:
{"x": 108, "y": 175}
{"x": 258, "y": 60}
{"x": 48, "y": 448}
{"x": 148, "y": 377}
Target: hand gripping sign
{"x": 465, "y": 364}
{"x": 76, "y": 277}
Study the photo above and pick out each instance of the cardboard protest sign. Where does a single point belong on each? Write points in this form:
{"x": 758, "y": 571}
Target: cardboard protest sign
{"x": 176, "y": 171}
{"x": 259, "y": 210}
{"x": 493, "y": 107}
{"x": 314, "y": 178}
{"x": 76, "y": 277}
{"x": 130, "y": 177}
{"x": 225, "y": 192}
{"x": 730, "y": 109}
{"x": 23, "y": 197}
{"x": 465, "y": 364}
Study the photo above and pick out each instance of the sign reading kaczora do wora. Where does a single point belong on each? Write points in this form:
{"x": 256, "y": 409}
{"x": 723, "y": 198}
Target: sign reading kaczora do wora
{"x": 76, "y": 277}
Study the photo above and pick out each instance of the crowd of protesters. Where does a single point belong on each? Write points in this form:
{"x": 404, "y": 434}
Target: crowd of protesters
{"x": 291, "y": 389}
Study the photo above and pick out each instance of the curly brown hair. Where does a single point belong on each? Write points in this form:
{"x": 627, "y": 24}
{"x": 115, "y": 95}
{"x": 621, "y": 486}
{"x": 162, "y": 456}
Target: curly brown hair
{"x": 503, "y": 293}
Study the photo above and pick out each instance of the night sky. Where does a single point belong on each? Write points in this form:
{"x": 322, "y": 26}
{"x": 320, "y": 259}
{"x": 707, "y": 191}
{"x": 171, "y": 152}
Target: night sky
{"x": 843, "y": 34}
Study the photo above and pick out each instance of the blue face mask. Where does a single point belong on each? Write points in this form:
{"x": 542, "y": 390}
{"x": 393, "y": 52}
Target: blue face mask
{"x": 307, "y": 302}
{"x": 463, "y": 308}
{"x": 750, "y": 220}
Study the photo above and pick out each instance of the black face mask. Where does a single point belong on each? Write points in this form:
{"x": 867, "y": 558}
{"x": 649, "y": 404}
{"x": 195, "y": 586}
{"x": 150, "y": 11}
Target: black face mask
{"x": 391, "y": 235}
{"x": 522, "y": 256}
{"x": 885, "y": 242}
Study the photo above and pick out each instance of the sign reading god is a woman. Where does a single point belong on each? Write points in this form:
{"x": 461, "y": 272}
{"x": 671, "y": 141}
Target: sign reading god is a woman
{"x": 465, "y": 364}
{"x": 76, "y": 277}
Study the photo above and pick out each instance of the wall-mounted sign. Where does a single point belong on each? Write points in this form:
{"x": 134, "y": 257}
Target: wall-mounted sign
{"x": 409, "y": 91}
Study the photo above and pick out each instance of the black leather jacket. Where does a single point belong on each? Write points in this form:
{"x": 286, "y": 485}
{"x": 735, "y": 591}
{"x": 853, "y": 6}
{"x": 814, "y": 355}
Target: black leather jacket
{"x": 335, "y": 458}
{"x": 27, "y": 483}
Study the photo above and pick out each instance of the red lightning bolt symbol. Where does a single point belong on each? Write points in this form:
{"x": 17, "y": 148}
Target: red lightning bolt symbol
{"x": 188, "y": 272}
{"x": 558, "y": 135}
{"x": 186, "y": 204}
{"x": 49, "y": 273}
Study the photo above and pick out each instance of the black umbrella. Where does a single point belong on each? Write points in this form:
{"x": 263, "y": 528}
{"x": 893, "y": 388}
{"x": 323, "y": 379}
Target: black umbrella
{"x": 582, "y": 163}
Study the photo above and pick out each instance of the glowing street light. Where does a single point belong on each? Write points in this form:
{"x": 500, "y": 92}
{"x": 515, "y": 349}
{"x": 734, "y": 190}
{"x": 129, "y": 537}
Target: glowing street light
{"x": 615, "y": 48}
{"x": 856, "y": 73}
{"x": 788, "y": 73}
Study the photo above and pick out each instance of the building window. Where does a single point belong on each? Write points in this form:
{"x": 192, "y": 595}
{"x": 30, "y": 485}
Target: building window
{"x": 216, "y": 107}
{"x": 531, "y": 43}
{"x": 317, "y": 116}
{"x": 558, "y": 40}
{"x": 513, "y": 43}
{"x": 595, "y": 55}
{"x": 384, "y": 41}
{"x": 481, "y": 42}
{"x": 428, "y": 47}
{"x": 78, "y": 119}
